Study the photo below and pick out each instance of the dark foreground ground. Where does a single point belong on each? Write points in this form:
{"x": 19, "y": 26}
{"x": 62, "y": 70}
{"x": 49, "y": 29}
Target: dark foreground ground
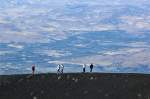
{"x": 75, "y": 86}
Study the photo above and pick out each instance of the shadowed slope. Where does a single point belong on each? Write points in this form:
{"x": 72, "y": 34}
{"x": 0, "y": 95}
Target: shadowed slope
{"x": 75, "y": 86}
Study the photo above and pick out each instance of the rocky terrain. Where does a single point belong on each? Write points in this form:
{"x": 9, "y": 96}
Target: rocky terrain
{"x": 75, "y": 86}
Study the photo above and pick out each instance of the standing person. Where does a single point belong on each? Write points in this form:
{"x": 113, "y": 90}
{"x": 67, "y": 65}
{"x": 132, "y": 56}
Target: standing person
{"x": 84, "y": 67}
{"x": 62, "y": 68}
{"x": 58, "y": 69}
{"x": 33, "y": 69}
{"x": 91, "y": 67}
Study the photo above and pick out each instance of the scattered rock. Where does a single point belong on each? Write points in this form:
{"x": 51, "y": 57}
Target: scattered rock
{"x": 124, "y": 86}
{"x": 20, "y": 80}
{"x": 34, "y": 97}
{"x": 85, "y": 92}
{"x": 42, "y": 92}
{"x": 31, "y": 93}
{"x": 99, "y": 90}
{"x": 27, "y": 80}
{"x": 106, "y": 95}
{"x": 73, "y": 78}
{"x": 59, "y": 77}
{"x": 76, "y": 80}
{"x": 114, "y": 76}
{"x": 68, "y": 76}
{"x": 29, "y": 76}
{"x": 145, "y": 84}
{"x": 126, "y": 80}
{"x": 67, "y": 94}
{"x": 6, "y": 82}
{"x": 91, "y": 78}
{"x": 139, "y": 95}
{"x": 148, "y": 97}
{"x": 114, "y": 86}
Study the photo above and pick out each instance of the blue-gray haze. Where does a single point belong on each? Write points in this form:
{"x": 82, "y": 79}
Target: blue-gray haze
{"x": 114, "y": 35}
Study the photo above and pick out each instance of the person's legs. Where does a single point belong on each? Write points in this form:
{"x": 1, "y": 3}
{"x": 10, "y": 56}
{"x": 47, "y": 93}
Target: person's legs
{"x": 32, "y": 72}
{"x": 62, "y": 71}
{"x": 58, "y": 71}
{"x": 84, "y": 70}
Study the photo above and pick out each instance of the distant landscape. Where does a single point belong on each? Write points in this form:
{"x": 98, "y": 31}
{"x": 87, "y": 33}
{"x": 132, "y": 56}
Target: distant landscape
{"x": 114, "y": 35}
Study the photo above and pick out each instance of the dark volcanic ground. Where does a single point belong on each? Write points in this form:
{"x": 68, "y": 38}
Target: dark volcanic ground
{"x": 75, "y": 86}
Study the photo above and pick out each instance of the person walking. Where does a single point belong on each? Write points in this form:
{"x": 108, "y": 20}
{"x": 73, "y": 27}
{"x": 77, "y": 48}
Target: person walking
{"x": 33, "y": 69}
{"x": 62, "y": 68}
{"x": 84, "y": 67}
{"x": 91, "y": 67}
{"x": 58, "y": 69}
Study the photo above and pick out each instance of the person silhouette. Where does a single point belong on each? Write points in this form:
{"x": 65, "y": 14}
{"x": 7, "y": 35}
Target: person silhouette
{"x": 91, "y": 67}
{"x": 33, "y": 69}
{"x": 58, "y": 69}
{"x": 84, "y": 67}
{"x": 62, "y": 68}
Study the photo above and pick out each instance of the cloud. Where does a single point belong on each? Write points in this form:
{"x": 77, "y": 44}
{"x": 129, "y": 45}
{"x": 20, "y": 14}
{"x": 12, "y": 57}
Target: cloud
{"x": 15, "y": 36}
{"x": 80, "y": 45}
{"x": 124, "y": 51}
{"x": 126, "y": 57}
{"x": 57, "y": 18}
{"x": 134, "y": 24}
{"x": 6, "y": 52}
{"x": 53, "y": 53}
{"x": 62, "y": 62}
{"x": 138, "y": 44}
{"x": 16, "y": 46}
{"x": 3, "y": 21}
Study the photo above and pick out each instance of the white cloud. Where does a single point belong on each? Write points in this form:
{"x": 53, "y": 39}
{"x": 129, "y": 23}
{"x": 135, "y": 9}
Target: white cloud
{"x": 124, "y": 51}
{"x": 62, "y": 62}
{"x": 16, "y": 46}
{"x": 31, "y": 18}
{"x": 134, "y": 24}
{"x": 139, "y": 44}
{"x": 3, "y": 21}
{"x": 53, "y": 53}
{"x": 127, "y": 57}
{"x": 80, "y": 45}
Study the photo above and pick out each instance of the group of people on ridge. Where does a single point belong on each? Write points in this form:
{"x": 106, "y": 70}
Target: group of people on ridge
{"x": 84, "y": 68}
{"x": 60, "y": 68}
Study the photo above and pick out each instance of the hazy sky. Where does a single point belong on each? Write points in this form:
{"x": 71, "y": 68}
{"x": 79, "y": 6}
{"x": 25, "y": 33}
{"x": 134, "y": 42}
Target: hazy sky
{"x": 41, "y": 20}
